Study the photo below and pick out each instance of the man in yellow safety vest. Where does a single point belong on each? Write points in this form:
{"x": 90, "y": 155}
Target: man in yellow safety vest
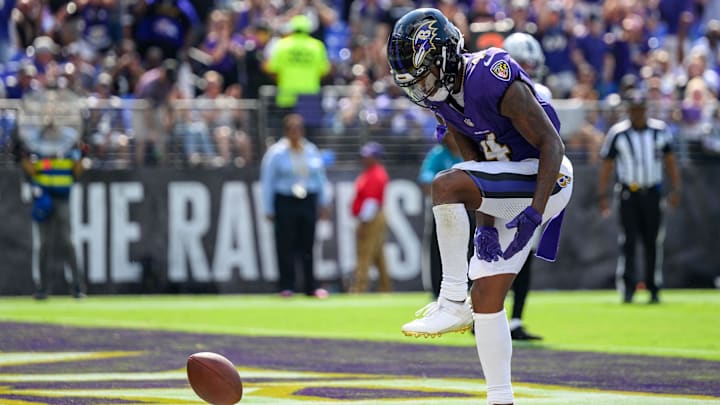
{"x": 53, "y": 162}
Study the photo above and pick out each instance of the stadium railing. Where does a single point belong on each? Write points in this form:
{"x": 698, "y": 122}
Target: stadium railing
{"x": 339, "y": 120}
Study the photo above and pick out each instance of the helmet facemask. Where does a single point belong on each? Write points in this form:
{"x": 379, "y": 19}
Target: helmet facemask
{"x": 427, "y": 87}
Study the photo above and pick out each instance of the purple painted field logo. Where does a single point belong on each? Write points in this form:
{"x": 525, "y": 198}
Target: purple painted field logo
{"x": 72, "y": 364}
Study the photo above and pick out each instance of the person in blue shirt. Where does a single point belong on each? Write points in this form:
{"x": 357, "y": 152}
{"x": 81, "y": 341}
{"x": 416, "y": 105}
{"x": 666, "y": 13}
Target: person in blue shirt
{"x": 294, "y": 193}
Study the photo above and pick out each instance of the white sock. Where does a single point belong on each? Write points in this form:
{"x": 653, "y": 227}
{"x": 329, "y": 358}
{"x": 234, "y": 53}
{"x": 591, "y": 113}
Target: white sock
{"x": 515, "y": 323}
{"x": 494, "y": 347}
{"x": 453, "y": 233}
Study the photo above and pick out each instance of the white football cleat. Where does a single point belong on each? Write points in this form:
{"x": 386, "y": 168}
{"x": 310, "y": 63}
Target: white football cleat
{"x": 439, "y": 317}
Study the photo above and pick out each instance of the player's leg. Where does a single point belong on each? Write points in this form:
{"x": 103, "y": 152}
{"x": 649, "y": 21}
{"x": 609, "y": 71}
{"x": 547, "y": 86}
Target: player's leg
{"x": 492, "y": 335}
{"x": 625, "y": 275}
{"x": 492, "y": 280}
{"x": 453, "y": 193}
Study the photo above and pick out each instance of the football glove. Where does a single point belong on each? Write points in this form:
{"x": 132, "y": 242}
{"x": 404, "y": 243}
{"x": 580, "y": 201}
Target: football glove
{"x": 525, "y": 222}
{"x": 487, "y": 244}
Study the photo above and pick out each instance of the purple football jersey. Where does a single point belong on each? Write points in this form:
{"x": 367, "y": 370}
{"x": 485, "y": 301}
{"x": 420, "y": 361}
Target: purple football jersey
{"x": 488, "y": 74}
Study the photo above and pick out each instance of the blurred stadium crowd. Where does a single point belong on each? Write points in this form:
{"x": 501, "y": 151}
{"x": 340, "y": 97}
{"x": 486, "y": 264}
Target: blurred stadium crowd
{"x": 113, "y": 53}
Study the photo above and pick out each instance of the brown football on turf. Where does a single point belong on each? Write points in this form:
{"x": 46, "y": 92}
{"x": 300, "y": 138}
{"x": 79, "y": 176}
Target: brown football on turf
{"x": 214, "y": 378}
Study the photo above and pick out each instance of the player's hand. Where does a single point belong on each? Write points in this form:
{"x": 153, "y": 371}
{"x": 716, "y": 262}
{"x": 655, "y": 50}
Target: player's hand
{"x": 526, "y": 222}
{"x": 487, "y": 244}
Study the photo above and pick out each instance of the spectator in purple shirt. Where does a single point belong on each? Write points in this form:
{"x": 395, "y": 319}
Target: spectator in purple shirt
{"x": 593, "y": 50}
{"x": 629, "y": 48}
{"x": 222, "y": 52}
{"x": 677, "y": 17}
{"x": 558, "y": 44}
{"x": 166, "y": 24}
{"x": 97, "y": 16}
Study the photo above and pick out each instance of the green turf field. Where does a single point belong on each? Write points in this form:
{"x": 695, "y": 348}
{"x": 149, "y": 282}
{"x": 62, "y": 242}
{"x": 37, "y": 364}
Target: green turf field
{"x": 684, "y": 326}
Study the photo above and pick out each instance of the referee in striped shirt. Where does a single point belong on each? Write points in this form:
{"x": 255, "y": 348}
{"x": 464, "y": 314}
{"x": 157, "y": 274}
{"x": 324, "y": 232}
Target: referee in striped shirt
{"x": 639, "y": 146}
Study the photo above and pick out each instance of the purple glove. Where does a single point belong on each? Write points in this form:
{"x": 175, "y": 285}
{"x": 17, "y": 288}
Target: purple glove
{"x": 525, "y": 222}
{"x": 487, "y": 244}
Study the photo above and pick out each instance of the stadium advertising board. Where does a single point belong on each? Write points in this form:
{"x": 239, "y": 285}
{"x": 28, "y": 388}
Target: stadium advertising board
{"x": 185, "y": 230}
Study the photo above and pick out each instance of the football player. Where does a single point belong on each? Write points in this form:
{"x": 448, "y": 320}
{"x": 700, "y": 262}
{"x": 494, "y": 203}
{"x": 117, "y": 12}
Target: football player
{"x": 515, "y": 176}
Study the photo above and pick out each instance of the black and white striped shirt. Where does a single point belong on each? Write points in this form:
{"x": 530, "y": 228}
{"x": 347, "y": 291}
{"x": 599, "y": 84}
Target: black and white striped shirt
{"x": 638, "y": 154}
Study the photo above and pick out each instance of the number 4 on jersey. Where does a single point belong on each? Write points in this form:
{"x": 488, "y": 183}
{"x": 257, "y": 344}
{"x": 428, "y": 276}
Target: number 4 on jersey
{"x": 493, "y": 150}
